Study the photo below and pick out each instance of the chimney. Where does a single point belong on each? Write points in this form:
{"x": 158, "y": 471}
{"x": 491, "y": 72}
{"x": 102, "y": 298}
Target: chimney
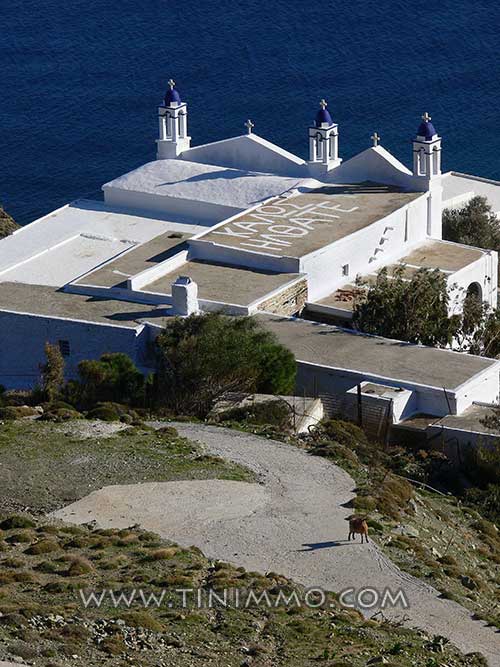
{"x": 185, "y": 296}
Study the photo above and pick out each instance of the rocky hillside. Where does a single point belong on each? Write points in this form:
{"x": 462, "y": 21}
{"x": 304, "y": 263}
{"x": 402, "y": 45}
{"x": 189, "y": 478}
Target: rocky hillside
{"x": 7, "y": 224}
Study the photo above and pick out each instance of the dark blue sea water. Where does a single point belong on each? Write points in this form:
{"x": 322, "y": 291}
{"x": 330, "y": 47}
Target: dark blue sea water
{"x": 81, "y": 80}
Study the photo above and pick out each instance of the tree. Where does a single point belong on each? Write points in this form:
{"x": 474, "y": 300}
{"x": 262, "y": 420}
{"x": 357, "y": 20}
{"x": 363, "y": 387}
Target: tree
{"x": 413, "y": 308}
{"x": 113, "y": 377}
{"x": 203, "y": 357}
{"x": 52, "y": 371}
{"x": 474, "y": 224}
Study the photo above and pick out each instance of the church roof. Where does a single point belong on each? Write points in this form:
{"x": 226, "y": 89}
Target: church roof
{"x": 209, "y": 183}
{"x": 426, "y": 129}
{"x": 172, "y": 95}
{"x": 248, "y": 152}
{"x": 323, "y": 116}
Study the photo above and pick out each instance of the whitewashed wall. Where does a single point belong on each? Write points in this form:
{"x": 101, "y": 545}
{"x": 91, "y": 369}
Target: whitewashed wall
{"x": 324, "y": 267}
{"x": 194, "y": 212}
{"x": 22, "y": 340}
{"x": 316, "y": 380}
{"x": 483, "y": 271}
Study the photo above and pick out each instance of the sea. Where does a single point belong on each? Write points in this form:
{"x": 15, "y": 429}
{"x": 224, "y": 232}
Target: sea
{"x": 80, "y": 82}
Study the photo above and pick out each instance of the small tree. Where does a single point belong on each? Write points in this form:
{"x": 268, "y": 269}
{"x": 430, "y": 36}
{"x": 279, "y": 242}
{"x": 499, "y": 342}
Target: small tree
{"x": 113, "y": 377}
{"x": 52, "y": 372}
{"x": 203, "y": 357}
{"x": 413, "y": 309}
{"x": 474, "y": 224}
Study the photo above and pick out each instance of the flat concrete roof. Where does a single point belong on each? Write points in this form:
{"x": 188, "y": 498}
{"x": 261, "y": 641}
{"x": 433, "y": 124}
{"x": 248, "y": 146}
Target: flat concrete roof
{"x": 223, "y": 283}
{"x": 140, "y": 258}
{"x": 443, "y": 255}
{"x": 458, "y": 188}
{"x": 77, "y": 238}
{"x": 48, "y": 301}
{"x": 469, "y": 420}
{"x": 294, "y": 226}
{"x": 370, "y": 355}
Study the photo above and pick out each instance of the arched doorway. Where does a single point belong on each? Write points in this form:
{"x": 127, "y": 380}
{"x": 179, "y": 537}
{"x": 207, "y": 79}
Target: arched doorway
{"x": 475, "y": 291}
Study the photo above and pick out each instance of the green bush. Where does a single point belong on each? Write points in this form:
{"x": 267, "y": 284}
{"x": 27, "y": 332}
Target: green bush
{"x": 104, "y": 413}
{"x": 275, "y": 413}
{"x": 61, "y": 415}
{"x": 201, "y": 358}
{"x": 16, "y": 397}
{"x": 344, "y": 432}
{"x": 17, "y": 412}
{"x": 113, "y": 377}
{"x": 16, "y": 521}
{"x": 42, "y": 547}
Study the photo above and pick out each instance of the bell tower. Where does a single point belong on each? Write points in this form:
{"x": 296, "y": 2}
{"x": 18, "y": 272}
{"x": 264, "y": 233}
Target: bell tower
{"x": 323, "y": 142}
{"x": 172, "y": 117}
{"x": 427, "y": 173}
{"x": 427, "y": 150}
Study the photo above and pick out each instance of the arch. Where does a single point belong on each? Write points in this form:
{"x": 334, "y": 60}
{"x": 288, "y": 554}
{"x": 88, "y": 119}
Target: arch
{"x": 475, "y": 290}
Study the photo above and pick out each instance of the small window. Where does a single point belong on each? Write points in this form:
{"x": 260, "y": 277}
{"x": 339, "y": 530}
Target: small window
{"x": 64, "y": 348}
{"x": 345, "y": 270}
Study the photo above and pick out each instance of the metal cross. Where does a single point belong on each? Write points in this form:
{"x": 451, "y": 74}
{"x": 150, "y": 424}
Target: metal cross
{"x": 171, "y": 83}
{"x": 375, "y": 138}
{"x": 323, "y": 104}
{"x": 426, "y": 117}
{"x": 249, "y": 126}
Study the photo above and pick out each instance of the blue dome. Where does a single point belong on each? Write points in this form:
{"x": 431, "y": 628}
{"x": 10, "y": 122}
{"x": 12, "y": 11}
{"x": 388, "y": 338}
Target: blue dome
{"x": 426, "y": 129}
{"x": 323, "y": 116}
{"x": 172, "y": 95}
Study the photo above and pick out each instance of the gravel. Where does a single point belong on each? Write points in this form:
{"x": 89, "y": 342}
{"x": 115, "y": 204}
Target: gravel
{"x": 296, "y": 527}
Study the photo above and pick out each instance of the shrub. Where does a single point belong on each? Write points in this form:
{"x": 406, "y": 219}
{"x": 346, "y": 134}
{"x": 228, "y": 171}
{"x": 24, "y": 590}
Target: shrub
{"x": 203, "y": 357}
{"x": 59, "y": 415}
{"x": 16, "y": 521}
{"x": 16, "y": 397}
{"x": 141, "y": 619}
{"x": 163, "y": 554}
{"x": 275, "y": 413}
{"x": 42, "y": 547}
{"x": 79, "y": 566}
{"x": 52, "y": 371}
{"x": 168, "y": 431}
{"x": 17, "y": 412}
{"x": 113, "y": 377}
{"x": 344, "y": 432}
{"x": 105, "y": 413}
{"x": 113, "y": 645}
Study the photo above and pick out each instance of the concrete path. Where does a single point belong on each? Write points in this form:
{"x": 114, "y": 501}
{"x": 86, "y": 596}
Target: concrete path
{"x": 292, "y": 522}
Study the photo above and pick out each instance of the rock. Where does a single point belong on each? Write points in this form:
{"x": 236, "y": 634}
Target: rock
{"x": 378, "y": 660}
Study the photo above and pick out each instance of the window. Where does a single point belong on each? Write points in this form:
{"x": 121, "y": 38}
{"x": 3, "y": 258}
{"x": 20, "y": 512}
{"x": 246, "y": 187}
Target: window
{"x": 345, "y": 270}
{"x": 64, "y": 348}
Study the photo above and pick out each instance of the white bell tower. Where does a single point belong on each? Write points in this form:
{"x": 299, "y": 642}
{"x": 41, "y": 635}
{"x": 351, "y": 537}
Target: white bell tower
{"x": 427, "y": 150}
{"x": 172, "y": 117}
{"x": 427, "y": 173}
{"x": 323, "y": 142}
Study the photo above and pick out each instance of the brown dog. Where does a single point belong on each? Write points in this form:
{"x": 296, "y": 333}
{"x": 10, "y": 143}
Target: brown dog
{"x": 357, "y": 524}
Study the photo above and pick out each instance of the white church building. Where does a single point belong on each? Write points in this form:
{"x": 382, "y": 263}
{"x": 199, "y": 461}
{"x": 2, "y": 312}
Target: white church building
{"x": 242, "y": 226}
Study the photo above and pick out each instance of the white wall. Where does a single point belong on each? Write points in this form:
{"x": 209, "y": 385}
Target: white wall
{"x": 194, "y": 212}
{"x": 210, "y": 252}
{"x": 483, "y": 271}
{"x": 22, "y": 340}
{"x": 315, "y": 379}
{"x": 483, "y": 388}
{"x": 324, "y": 267}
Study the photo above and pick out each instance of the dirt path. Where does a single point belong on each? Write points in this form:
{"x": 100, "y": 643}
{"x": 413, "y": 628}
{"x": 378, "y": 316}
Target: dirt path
{"x": 296, "y": 527}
